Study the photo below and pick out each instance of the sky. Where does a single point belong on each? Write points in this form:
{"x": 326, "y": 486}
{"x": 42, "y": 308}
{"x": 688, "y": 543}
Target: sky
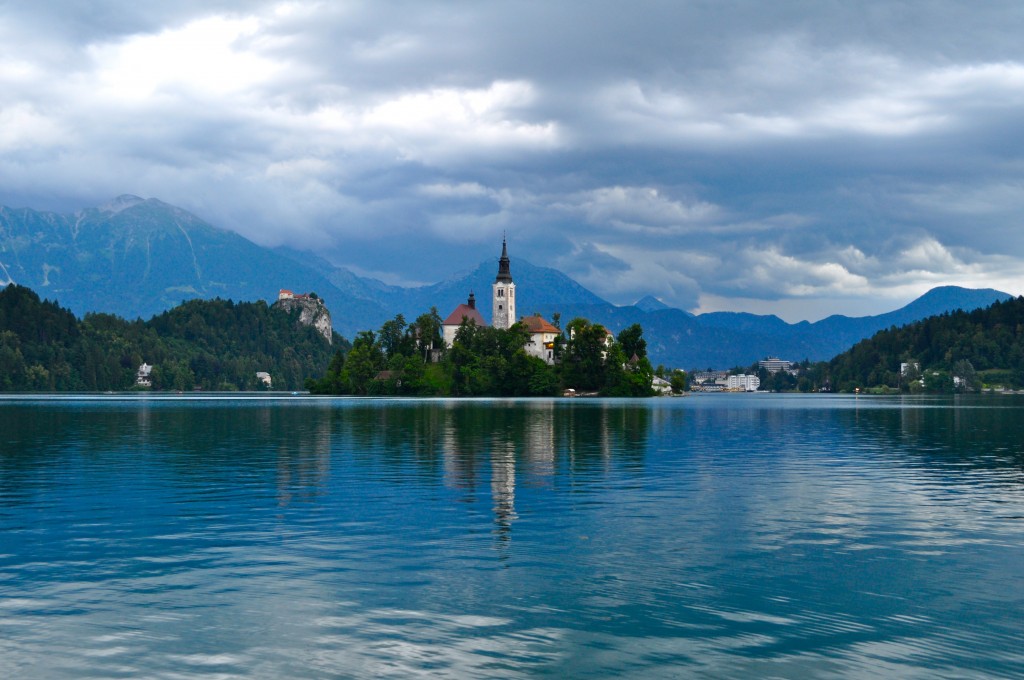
{"x": 801, "y": 158}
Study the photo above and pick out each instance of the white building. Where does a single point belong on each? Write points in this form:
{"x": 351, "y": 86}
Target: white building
{"x": 503, "y": 303}
{"x": 747, "y": 383}
{"x": 775, "y": 364}
{"x": 542, "y": 338}
{"x": 143, "y": 377}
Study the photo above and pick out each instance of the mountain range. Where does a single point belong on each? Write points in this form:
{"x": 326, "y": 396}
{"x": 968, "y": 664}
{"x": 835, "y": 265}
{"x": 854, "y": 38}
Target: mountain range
{"x": 138, "y": 257}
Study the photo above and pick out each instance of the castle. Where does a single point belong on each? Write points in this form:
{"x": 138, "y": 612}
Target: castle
{"x": 312, "y": 312}
{"x": 503, "y": 314}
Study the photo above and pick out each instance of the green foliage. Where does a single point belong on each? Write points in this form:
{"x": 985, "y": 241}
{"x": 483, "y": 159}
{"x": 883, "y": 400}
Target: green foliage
{"x": 209, "y": 344}
{"x": 484, "y": 361}
{"x": 632, "y": 341}
{"x": 968, "y": 346}
{"x": 365, "y": 360}
{"x": 583, "y": 359}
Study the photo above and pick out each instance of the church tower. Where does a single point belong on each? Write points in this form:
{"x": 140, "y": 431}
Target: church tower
{"x": 504, "y": 293}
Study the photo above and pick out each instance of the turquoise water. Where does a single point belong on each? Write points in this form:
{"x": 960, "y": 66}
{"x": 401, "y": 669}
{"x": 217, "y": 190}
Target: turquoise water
{"x": 725, "y": 536}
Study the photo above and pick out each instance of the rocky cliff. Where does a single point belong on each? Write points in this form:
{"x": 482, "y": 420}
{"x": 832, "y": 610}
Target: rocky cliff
{"x": 312, "y": 311}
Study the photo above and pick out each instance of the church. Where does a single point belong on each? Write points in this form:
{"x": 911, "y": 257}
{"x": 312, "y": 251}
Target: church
{"x": 503, "y": 314}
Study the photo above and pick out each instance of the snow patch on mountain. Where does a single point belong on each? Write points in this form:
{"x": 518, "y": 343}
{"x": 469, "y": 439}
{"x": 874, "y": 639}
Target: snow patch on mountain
{"x": 122, "y": 202}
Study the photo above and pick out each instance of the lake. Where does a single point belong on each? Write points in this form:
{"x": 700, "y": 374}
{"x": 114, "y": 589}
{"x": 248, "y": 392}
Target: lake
{"x": 724, "y": 536}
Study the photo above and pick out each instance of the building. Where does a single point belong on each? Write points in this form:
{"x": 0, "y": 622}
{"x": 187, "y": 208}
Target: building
{"x": 503, "y": 302}
{"x": 661, "y": 386}
{"x": 542, "y": 338}
{"x": 698, "y": 378}
{"x": 265, "y": 379}
{"x": 774, "y": 364}
{"x": 143, "y": 377}
{"x": 746, "y": 383}
{"x": 467, "y": 312}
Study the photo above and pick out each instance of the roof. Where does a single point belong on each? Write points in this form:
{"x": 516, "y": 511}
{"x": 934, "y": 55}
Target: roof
{"x": 537, "y": 324}
{"x": 464, "y": 311}
{"x": 504, "y": 273}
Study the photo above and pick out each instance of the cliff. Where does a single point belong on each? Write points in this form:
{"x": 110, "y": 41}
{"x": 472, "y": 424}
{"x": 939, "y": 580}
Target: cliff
{"x": 312, "y": 311}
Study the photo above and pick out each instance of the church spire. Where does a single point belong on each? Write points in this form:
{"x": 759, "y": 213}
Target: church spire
{"x": 503, "y": 299}
{"x": 504, "y": 272}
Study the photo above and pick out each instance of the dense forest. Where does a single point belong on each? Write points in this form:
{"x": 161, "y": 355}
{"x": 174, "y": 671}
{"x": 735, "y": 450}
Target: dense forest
{"x": 201, "y": 344}
{"x": 963, "y": 351}
{"x": 411, "y": 359}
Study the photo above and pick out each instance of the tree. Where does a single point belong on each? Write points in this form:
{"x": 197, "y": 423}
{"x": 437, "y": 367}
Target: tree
{"x": 632, "y": 341}
{"x": 365, "y": 360}
{"x": 583, "y": 360}
{"x": 678, "y": 380}
{"x": 965, "y": 379}
{"x": 427, "y": 332}
{"x": 392, "y": 336}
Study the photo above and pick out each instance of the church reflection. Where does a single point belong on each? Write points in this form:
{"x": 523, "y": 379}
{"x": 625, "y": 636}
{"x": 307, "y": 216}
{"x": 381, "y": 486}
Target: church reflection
{"x": 472, "y": 448}
{"x": 530, "y": 443}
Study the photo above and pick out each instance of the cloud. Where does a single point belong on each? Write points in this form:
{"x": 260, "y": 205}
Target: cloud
{"x": 792, "y": 156}
{"x": 639, "y": 209}
{"x": 206, "y": 57}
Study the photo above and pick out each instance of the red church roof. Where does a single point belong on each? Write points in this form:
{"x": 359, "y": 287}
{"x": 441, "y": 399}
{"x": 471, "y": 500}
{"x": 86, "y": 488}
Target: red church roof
{"x": 537, "y": 324}
{"x": 467, "y": 312}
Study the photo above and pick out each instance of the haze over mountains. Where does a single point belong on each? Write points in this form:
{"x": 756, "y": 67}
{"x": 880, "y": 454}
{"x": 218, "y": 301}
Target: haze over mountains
{"x": 136, "y": 258}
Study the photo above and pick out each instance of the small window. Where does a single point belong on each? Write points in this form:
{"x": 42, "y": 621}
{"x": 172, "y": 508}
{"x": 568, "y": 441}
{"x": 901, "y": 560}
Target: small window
{"x": 499, "y": 308}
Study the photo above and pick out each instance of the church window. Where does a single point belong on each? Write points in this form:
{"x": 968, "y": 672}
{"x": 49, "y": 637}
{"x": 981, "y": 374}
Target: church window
{"x": 499, "y": 308}
{"x": 501, "y": 292}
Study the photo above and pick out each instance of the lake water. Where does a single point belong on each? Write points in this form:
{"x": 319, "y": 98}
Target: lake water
{"x": 725, "y": 536}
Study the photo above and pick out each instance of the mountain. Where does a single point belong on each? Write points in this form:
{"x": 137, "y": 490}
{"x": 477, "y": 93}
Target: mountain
{"x": 138, "y": 257}
{"x": 649, "y": 303}
{"x": 728, "y": 339}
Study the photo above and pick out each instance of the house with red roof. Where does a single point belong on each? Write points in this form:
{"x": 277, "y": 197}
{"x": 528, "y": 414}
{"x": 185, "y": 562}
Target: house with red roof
{"x": 468, "y": 312}
{"x": 542, "y": 337}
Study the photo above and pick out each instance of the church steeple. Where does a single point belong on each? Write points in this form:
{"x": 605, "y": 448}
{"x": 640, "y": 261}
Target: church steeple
{"x": 504, "y": 273}
{"x": 503, "y": 299}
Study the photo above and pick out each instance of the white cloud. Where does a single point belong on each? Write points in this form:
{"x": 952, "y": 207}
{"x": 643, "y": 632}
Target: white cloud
{"x": 929, "y": 255}
{"x": 205, "y": 57}
{"x": 24, "y": 127}
{"x": 641, "y": 209}
{"x": 460, "y": 190}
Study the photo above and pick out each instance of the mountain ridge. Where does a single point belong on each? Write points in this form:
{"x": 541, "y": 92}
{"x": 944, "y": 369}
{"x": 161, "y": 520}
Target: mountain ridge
{"x": 139, "y": 257}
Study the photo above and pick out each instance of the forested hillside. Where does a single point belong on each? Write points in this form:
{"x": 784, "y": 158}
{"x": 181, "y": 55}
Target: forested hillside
{"x": 962, "y": 349}
{"x": 209, "y": 344}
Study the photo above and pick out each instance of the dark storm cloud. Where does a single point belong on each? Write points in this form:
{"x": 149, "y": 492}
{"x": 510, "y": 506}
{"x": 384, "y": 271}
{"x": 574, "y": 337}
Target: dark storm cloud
{"x": 800, "y": 157}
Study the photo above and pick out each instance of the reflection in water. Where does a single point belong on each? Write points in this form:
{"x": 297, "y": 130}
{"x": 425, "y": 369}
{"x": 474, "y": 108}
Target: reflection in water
{"x": 718, "y": 536}
{"x": 503, "y": 489}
